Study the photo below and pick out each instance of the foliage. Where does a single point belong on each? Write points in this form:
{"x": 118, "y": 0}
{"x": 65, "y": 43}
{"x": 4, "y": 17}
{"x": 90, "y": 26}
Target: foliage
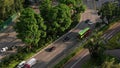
{"x": 8, "y": 7}
{"x": 110, "y": 64}
{"x": 61, "y": 18}
{"x": 109, "y": 10}
{"x": 45, "y": 8}
{"x": 30, "y": 28}
{"x": 107, "y": 62}
{"x": 95, "y": 48}
{"x": 75, "y": 5}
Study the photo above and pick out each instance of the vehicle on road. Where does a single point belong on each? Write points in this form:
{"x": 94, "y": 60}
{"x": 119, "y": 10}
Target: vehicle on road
{"x": 21, "y": 65}
{"x": 30, "y": 63}
{"x": 66, "y": 39}
{"x": 88, "y": 22}
{"x": 4, "y": 49}
{"x": 51, "y": 49}
{"x": 84, "y": 33}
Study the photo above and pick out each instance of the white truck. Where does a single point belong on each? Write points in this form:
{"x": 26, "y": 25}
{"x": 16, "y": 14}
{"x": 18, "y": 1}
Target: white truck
{"x": 30, "y": 63}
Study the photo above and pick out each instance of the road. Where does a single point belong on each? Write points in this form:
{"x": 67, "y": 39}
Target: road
{"x": 48, "y": 59}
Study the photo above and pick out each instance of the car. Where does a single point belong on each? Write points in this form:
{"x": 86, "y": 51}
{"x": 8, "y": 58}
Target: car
{"x": 88, "y": 20}
{"x": 21, "y": 65}
{"x": 4, "y": 49}
{"x": 51, "y": 49}
{"x": 90, "y": 23}
{"x": 66, "y": 39}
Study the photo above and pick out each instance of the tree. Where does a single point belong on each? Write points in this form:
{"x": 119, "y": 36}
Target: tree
{"x": 59, "y": 19}
{"x": 45, "y": 8}
{"x": 76, "y": 5}
{"x": 68, "y": 2}
{"x": 109, "y": 10}
{"x": 18, "y": 5}
{"x": 8, "y": 7}
{"x": 29, "y": 28}
{"x": 110, "y": 64}
{"x": 95, "y": 48}
{"x": 42, "y": 26}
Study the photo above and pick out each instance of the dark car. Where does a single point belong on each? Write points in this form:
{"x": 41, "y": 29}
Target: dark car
{"x": 88, "y": 20}
{"x": 66, "y": 39}
{"x": 51, "y": 49}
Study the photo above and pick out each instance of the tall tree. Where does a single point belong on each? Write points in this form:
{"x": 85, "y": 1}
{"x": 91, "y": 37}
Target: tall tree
{"x": 76, "y": 5}
{"x": 109, "y": 10}
{"x": 29, "y": 28}
{"x": 8, "y": 7}
{"x": 95, "y": 48}
{"x": 18, "y": 5}
{"x": 59, "y": 19}
{"x": 110, "y": 64}
{"x": 45, "y": 8}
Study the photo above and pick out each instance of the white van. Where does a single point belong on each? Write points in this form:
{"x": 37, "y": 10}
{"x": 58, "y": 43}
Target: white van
{"x": 30, "y": 63}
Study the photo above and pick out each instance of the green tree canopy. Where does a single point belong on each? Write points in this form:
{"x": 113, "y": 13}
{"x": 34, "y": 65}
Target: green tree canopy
{"x": 110, "y": 64}
{"x": 59, "y": 19}
{"x": 8, "y": 7}
{"x": 30, "y": 27}
{"x": 109, "y": 10}
{"x": 45, "y": 8}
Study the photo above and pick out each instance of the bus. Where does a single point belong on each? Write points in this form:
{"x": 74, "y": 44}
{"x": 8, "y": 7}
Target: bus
{"x": 84, "y": 33}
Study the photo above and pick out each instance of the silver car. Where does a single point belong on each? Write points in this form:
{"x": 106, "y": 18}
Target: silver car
{"x": 21, "y": 65}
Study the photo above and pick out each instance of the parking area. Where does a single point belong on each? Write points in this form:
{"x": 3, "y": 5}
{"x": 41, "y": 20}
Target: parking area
{"x": 8, "y": 39}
